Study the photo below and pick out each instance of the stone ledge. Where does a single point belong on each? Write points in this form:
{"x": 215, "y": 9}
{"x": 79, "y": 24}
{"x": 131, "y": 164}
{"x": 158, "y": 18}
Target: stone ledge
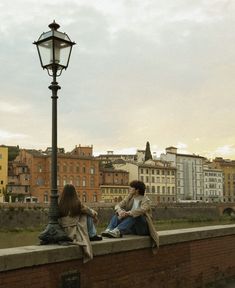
{"x": 28, "y": 256}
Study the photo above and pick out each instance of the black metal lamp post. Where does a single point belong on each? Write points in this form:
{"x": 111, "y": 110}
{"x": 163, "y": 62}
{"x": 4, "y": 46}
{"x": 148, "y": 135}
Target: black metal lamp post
{"x": 54, "y": 50}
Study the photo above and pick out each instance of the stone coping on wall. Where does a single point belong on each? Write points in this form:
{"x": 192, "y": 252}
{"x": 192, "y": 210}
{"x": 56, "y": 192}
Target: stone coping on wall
{"x": 28, "y": 256}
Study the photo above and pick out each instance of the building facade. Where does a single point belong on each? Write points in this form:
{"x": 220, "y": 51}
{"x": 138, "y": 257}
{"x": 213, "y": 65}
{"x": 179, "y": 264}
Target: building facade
{"x": 3, "y": 171}
{"x": 114, "y": 184}
{"x": 228, "y": 168}
{"x": 213, "y": 184}
{"x": 158, "y": 176}
{"x": 18, "y": 187}
{"x": 81, "y": 170}
{"x": 189, "y": 178}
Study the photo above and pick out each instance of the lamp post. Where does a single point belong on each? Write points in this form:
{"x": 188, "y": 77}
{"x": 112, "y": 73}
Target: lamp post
{"x": 54, "y": 50}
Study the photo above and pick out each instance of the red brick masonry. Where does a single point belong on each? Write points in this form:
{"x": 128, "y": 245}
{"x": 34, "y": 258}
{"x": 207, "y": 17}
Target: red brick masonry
{"x": 187, "y": 258}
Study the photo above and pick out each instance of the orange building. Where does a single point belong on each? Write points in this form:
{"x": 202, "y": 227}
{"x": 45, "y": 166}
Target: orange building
{"x": 78, "y": 167}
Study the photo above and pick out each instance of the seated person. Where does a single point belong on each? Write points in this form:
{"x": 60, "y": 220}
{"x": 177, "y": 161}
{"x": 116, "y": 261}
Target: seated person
{"x": 133, "y": 215}
{"x": 78, "y": 220}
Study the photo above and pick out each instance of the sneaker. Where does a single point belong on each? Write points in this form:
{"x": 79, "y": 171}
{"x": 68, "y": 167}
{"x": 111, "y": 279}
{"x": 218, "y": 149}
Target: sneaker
{"x": 115, "y": 233}
{"x": 105, "y": 233}
{"x": 96, "y": 238}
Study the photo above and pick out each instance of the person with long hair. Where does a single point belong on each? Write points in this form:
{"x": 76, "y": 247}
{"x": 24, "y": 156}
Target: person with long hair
{"x": 78, "y": 220}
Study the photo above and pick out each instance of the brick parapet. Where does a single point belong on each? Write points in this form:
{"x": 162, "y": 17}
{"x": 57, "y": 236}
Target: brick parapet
{"x": 188, "y": 258}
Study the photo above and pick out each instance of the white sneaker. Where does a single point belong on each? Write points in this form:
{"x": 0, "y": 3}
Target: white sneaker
{"x": 105, "y": 233}
{"x": 115, "y": 233}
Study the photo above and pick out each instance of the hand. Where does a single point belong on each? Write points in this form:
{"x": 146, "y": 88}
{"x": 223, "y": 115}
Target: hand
{"x": 123, "y": 214}
{"x": 95, "y": 218}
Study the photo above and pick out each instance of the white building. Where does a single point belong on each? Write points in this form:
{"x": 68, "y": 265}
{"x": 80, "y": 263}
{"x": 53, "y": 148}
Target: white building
{"x": 189, "y": 178}
{"x": 158, "y": 176}
{"x": 213, "y": 184}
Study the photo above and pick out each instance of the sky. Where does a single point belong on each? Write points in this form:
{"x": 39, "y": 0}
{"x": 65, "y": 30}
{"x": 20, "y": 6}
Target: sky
{"x": 161, "y": 71}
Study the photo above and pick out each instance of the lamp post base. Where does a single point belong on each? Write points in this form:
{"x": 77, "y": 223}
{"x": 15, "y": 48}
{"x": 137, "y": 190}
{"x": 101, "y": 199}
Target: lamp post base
{"x": 53, "y": 234}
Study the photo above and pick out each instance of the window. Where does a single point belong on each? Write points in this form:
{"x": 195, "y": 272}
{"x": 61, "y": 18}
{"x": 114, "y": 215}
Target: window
{"x": 153, "y": 189}
{"x": 163, "y": 189}
{"x": 77, "y": 181}
{"x": 64, "y": 168}
{"x": 92, "y": 170}
{"x": 92, "y": 182}
{"x": 153, "y": 179}
{"x": 83, "y": 169}
{"x": 40, "y": 181}
{"x": 77, "y": 168}
{"x": 84, "y": 197}
{"x": 45, "y": 197}
{"x": 95, "y": 197}
{"x": 83, "y": 181}
{"x": 58, "y": 181}
{"x": 64, "y": 180}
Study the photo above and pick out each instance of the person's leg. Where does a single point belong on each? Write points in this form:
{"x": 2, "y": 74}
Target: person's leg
{"x": 141, "y": 226}
{"x": 112, "y": 225}
{"x": 91, "y": 227}
{"x": 113, "y": 222}
{"x": 92, "y": 230}
{"x": 130, "y": 225}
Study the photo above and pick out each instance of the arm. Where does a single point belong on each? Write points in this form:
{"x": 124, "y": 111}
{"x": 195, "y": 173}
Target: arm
{"x": 121, "y": 207}
{"x": 87, "y": 210}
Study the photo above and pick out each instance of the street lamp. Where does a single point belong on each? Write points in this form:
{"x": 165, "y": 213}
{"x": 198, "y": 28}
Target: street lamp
{"x": 54, "y": 50}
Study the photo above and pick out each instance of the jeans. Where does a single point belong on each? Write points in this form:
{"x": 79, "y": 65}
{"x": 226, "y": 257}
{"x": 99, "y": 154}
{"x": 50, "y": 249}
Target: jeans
{"x": 91, "y": 227}
{"x": 129, "y": 225}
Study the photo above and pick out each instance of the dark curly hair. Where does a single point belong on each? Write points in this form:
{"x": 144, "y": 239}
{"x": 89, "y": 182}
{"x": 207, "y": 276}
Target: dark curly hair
{"x": 138, "y": 185}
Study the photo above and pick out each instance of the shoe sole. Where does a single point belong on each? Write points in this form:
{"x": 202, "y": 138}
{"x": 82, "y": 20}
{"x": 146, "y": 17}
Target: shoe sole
{"x": 109, "y": 235}
{"x": 106, "y": 234}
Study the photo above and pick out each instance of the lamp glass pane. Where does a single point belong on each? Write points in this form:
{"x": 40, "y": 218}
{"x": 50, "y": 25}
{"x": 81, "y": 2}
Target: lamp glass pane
{"x": 45, "y": 51}
{"x": 62, "y": 52}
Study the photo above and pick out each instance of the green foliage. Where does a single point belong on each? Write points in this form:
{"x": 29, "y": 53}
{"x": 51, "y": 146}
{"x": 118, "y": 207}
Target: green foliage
{"x": 148, "y": 154}
{"x": 13, "y": 152}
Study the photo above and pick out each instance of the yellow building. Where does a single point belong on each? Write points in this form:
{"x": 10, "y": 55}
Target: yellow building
{"x": 228, "y": 168}
{"x": 3, "y": 171}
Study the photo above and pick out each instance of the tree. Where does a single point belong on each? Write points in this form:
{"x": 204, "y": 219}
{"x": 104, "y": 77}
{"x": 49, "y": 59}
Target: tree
{"x": 148, "y": 154}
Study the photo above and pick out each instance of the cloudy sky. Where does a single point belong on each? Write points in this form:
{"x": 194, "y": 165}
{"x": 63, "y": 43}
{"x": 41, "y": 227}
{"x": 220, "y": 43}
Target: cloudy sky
{"x": 161, "y": 71}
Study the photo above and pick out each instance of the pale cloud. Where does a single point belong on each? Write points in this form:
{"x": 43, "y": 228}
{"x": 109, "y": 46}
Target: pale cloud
{"x": 226, "y": 150}
{"x": 6, "y": 135}
{"x": 6, "y": 107}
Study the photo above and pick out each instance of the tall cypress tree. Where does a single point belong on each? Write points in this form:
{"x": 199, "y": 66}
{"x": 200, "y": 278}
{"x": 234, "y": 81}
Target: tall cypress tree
{"x": 148, "y": 154}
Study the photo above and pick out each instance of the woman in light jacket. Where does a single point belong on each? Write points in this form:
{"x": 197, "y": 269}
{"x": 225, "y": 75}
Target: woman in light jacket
{"x": 133, "y": 215}
{"x": 78, "y": 221}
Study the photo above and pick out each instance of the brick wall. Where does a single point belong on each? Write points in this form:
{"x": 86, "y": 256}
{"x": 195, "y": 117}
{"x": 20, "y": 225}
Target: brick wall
{"x": 189, "y": 264}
